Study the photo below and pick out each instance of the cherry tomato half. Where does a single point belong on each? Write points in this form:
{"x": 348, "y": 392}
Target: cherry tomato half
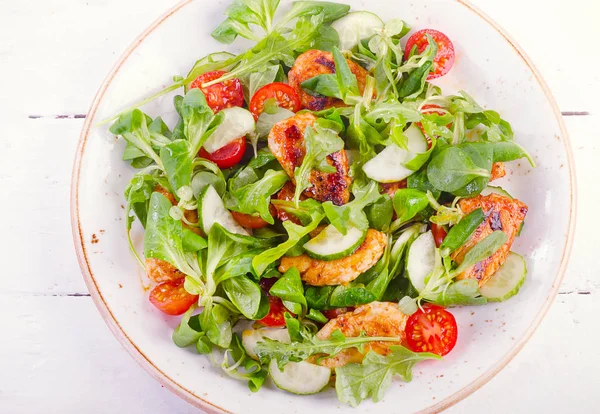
{"x": 283, "y": 93}
{"x": 444, "y": 59}
{"x": 432, "y": 329}
{"x": 439, "y": 234}
{"x": 220, "y": 95}
{"x": 228, "y": 156}
{"x": 249, "y": 221}
{"x": 276, "y": 311}
{"x": 171, "y": 297}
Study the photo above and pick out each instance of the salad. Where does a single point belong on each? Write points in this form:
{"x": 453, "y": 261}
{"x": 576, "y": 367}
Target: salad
{"x": 320, "y": 203}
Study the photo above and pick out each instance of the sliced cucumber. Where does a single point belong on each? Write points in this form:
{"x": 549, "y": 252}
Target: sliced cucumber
{"x": 355, "y": 27}
{"x": 390, "y": 164}
{"x": 212, "y": 210}
{"x": 237, "y": 122}
{"x": 251, "y": 337}
{"x": 421, "y": 260}
{"x": 266, "y": 121}
{"x": 301, "y": 378}
{"x": 507, "y": 281}
{"x": 496, "y": 190}
{"x": 330, "y": 244}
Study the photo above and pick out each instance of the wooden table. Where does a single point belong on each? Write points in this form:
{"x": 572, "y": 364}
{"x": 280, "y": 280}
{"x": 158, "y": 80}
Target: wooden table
{"x": 56, "y": 354}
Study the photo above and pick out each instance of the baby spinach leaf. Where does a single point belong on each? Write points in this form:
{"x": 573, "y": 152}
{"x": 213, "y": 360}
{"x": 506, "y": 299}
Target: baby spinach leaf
{"x": 413, "y": 85}
{"x": 216, "y": 323}
{"x": 330, "y": 11}
{"x": 289, "y": 288}
{"x": 133, "y": 127}
{"x": 356, "y": 382}
{"x": 453, "y": 169}
{"x": 419, "y": 181}
{"x": 347, "y": 82}
{"x": 327, "y": 39}
{"x": 189, "y": 331}
{"x": 317, "y": 316}
{"x": 247, "y": 296}
{"x": 461, "y": 232}
{"x": 196, "y": 117}
{"x": 177, "y": 163}
{"x": 318, "y": 297}
{"x": 163, "y": 236}
{"x": 352, "y": 214}
{"x": 352, "y": 294}
{"x": 380, "y": 213}
{"x": 510, "y": 151}
{"x": 461, "y": 293}
{"x": 243, "y": 13}
{"x": 408, "y": 202}
{"x": 324, "y": 85}
{"x": 256, "y": 197}
{"x": 192, "y": 242}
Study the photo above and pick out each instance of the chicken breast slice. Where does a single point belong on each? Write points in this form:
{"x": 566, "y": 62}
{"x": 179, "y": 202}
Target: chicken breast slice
{"x": 161, "y": 271}
{"x": 286, "y": 142}
{"x": 340, "y": 271}
{"x": 375, "y": 319}
{"x": 317, "y": 62}
{"x": 501, "y": 213}
{"x": 498, "y": 171}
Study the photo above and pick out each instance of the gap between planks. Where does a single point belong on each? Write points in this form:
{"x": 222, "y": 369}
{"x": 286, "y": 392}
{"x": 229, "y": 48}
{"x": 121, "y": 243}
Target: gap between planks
{"x": 82, "y": 116}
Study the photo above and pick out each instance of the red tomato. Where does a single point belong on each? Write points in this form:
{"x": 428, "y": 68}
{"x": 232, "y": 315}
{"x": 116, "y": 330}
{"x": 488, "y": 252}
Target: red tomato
{"x": 444, "y": 59}
{"x": 249, "y": 221}
{"x": 276, "y": 311}
{"x": 171, "y": 297}
{"x": 439, "y": 234}
{"x": 334, "y": 313}
{"x": 220, "y": 95}
{"x": 432, "y": 329}
{"x": 228, "y": 156}
{"x": 284, "y": 94}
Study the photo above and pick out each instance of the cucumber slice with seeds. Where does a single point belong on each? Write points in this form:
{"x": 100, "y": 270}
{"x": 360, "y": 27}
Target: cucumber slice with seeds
{"x": 212, "y": 210}
{"x": 420, "y": 261}
{"x": 355, "y": 27}
{"x": 251, "y": 337}
{"x": 496, "y": 190}
{"x": 507, "y": 281}
{"x": 330, "y": 244}
{"x": 390, "y": 164}
{"x": 237, "y": 122}
{"x": 301, "y": 378}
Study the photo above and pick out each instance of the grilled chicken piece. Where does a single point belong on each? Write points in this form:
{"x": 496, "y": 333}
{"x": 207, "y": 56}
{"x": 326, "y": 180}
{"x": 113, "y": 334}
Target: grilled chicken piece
{"x": 391, "y": 188}
{"x": 160, "y": 270}
{"x": 316, "y": 62}
{"x": 501, "y": 213}
{"x": 498, "y": 171}
{"x": 375, "y": 319}
{"x": 286, "y": 142}
{"x": 340, "y": 271}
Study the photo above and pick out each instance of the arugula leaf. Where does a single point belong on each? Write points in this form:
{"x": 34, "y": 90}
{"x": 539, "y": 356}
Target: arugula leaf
{"x": 356, "y": 382}
{"x": 461, "y": 232}
{"x": 319, "y": 143}
{"x": 299, "y": 351}
{"x": 256, "y": 197}
{"x": 352, "y": 214}
{"x": 289, "y": 288}
{"x": 295, "y": 232}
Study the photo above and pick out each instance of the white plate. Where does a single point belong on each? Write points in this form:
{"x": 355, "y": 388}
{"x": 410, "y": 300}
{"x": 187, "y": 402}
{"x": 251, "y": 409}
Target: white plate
{"x": 488, "y": 65}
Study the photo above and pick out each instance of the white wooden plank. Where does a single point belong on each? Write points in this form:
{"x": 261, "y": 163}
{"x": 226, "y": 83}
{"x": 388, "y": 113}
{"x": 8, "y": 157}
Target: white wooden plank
{"x": 58, "y": 355}
{"x": 61, "y": 356}
{"x": 56, "y": 53}
{"x": 58, "y": 67}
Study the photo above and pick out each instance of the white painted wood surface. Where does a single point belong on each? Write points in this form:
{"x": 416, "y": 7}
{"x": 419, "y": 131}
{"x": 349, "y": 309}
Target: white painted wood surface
{"x": 56, "y": 353}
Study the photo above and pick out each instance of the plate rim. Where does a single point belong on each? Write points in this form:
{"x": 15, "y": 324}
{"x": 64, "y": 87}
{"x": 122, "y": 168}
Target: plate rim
{"x": 205, "y": 404}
